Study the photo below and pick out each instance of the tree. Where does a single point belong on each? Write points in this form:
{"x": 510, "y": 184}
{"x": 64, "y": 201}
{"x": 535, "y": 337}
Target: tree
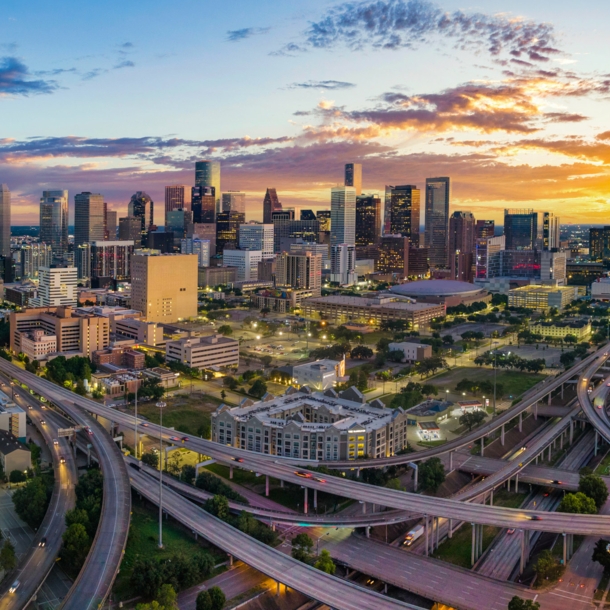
{"x": 302, "y": 546}
{"x": 361, "y": 352}
{"x": 431, "y": 474}
{"x": 577, "y": 503}
{"x": 77, "y": 515}
{"x": 258, "y": 388}
{"x": 204, "y": 601}
{"x": 472, "y": 419}
{"x": 266, "y": 360}
{"x": 428, "y": 389}
{"x": 548, "y": 567}
{"x": 218, "y": 506}
{"x": 601, "y": 554}
{"x": 567, "y": 359}
{"x": 8, "y": 559}
{"x": 167, "y": 597}
{"x": 76, "y": 546}
{"x": 225, "y": 330}
{"x": 570, "y": 339}
{"x": 17, "y": 476}
{"x": 230, "y": 382}
{"x": 516, "y": 603}
{"x": 396, "y": 355}
{"x": 217, "y": 598}
{"x": 593, "y": 486}
{"x": 325, "y": 563}
{"x": 31, "y": 501}
{"x": 150, "y": 459}
{"x": 223, "y": 394}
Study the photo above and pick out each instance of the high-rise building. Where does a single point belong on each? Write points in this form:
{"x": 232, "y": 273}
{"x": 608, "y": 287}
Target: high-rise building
{"x": 7, "y": 269}
{"x": 111, "y": 224}
{"x": 170, "y": 300}
{"x": 270, "y": 204}
{"x": 308, "y": 215}
{"x": 234, "y": 201}
{"x": 5, "y": 220}
{"x": 163, "y": 241}
{"x": 256, "y": 236}
{"x": 203, "y": 204}
{"x": 56, "y": 286}
{"x": 207, "y": 173}
{"x": 89, "y": 220}
{"x": 207, "y": 232}
{"x": 200, "y": 247}
{"x": 300, "y": 272}
{"x": 599, "y": 243}
{"x": 405, "y": 208}
{"x": 438, "y": 193}
{"x": 246, "y": 262}
{"x": 550, "y": 231}
{"x": 34, "y": 256}
{"x": 179, "y": 222}
{"x": 141, "y": 206}
{"x": 302, "y": 247}
{"x": 130, "y": 229}
{"x": 485, "y": 229}
{"x": 387, "y": 209}
{"x": 82, "y": 260}
{"x": 111, "y": 259}
{"x": 227, "y": 230}
{"x": 323, "y": 217}
{"x": 394, "y": 255}
{"x": 486, "y": 248}
{"x": 353, "y": 176}
{"x": 523, "y": 229}
{"x": 368, "y": 224}
{"x": 343, "y": 215}
{"x": 287, "y": 231}
{"x": 343, "y": 264}
{"x": 54, "y": 222}
{"x": 419, "y": 262}
{"x": 178, "y": 197}
{"x": 461, "y": 245}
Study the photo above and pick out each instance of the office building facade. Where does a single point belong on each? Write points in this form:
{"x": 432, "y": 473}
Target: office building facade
{"x": 207, "y": 173}
{"x": 271, "y": 204}
{"x": 461, "y": 244}
{"x": 286, "y": 230}
{"x": 178, "y": 197}
{"x": 56, "y": 287}
{"x": 438, "y": 194}
{"x": 368, "y": 224}
{"x": 246, "y": 262}
{"x": 405, "y": 209}
{"x": 111, "y": 259}
{"x": 227, "y": 230}
{"x": 343, "y": 215}
{"x": 206, "y": 232}
{"x": 299, "y": 272}
{"x": 256, "y": 236}
{"x": 234, "y": 201}
{"x": 523, "y": 229}
{"x": 54, "y": 222}
{"x": 486, "y": 249}
{"x": 34, "y": 256}
{"x": 142, "y": 207}
{"x": 343, "y": 264}
{"x": 82, "y": 260}
{"x": 89, "y": 218}
{"x": 5, "y": 220}
{"x": 200, "y": 247}
{"x": 353, "y": 176}
{"x": 203, "y": 204}
{"x": 485, "y": 229}
{"x": 111, "y": 225}
{"x": 394, "y": 255}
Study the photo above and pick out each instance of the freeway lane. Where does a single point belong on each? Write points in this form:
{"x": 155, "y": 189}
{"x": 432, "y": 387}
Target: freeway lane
{"x": 95, "y": 579}
{"x": 598, "y": 417}
{"x": 414, "y": 503}
{"x": 337, "y": 593}
{"x": 34, "y": 568}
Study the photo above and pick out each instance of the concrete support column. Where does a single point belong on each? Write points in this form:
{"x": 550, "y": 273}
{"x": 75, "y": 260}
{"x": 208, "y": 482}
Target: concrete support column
{"x": 450, "y": 530}
{"x": 491, "y": 498}
{"x": 230, "y": 560}
{"x": 571, "y": 431}
{"x": 549, "y": 453}
{"x": 522, "y": 558}
{"x": 368, "y": 531}
{"x": 272, "y": 526}
{"x": 596, "y": 442}
{"x": 561, "y": 441}
{"x": 358, "y": 473}
{"x": 364, "y": 508}
{"x": 415, "y": 479}
{"x": 565, "y": 550}
{"x": 438, "y": 532}
{"x": 482, "y": 445}
{"x": 281, "y": 483}
{"x": 305, "y": 501}
{"x": 277, "y": 591}
{"x": 502, "y": 435}
{"x": 472, "y": 549}
{"x": 536, "y": 460}
{"x": 550, "y": 398}
{"x": 315, "y": 499}
{"x": 562, "y": 390}
{"x": 516, "y": 483}
{"x": 267, "y": 485}
{"x": 521, "y": 421}
{"x": 536, "y": 410}
{"x": 231, "y": 472}
{"x": 450, "y": 461}
{"x": 426, "y": 527}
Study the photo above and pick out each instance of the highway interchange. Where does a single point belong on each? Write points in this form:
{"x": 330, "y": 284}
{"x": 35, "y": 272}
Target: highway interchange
{"x": 111, "y": 538}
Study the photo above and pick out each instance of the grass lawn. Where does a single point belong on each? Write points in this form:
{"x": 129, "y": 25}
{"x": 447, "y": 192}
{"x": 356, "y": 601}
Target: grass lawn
{"x": 292, "y": 497}
{"x": 603, "y": 468}
{"x": 143, "y": 539}
{"x": 370, "y": 339}
{"x": 514, "y": 382}
{"x": 458, "y": 550}
{"x": 240, "y": 476}
{"x": 431, "y": 443}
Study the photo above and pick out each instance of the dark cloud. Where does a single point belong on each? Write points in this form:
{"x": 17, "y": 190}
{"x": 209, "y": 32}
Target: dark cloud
{"x": 396, "y": 24}
{"x": 124, "y": 64}
{"x": 237, "y": 35}
{"x": 127, "y": 45}
{"x": 14, "y": 79}
{"x": 321, "y": 84}
{"x": 94, "y": 73}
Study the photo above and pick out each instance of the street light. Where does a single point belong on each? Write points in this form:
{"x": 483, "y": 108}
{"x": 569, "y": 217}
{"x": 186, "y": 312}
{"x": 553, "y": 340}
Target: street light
{"x": 136, "y": 426}
{"x": 161, "y": 406}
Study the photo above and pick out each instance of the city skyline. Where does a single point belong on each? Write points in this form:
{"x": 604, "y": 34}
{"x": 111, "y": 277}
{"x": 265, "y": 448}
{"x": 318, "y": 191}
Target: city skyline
{"x": 514, "y": 124}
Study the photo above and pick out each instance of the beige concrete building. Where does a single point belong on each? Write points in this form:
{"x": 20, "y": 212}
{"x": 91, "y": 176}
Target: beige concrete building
{"x": 204, "y": 352}
{"x": 164, "y": 287}
{"x": 75, "y": 331}
{"x": 542, "y": 296}
{"x": 300, "y": 272}
{"x": 36, "y": 344}
{"x": 13, "y": 454}
{"x": 580, "y": 330}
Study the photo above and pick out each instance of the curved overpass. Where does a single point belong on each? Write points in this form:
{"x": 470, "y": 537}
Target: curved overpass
{"x": 597, "y": 416}
{"x": 97, "y": 575}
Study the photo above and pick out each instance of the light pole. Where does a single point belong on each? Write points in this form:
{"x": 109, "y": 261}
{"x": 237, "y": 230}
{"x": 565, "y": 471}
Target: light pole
{"x": 161, "y": 406}
{"x": 136, "y": 426}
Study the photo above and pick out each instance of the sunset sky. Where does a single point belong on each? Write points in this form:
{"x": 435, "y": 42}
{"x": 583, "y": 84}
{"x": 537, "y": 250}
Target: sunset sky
{"x": 510, "y": 99}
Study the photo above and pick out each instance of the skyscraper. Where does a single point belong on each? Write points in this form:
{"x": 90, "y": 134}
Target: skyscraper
{"x": 111, "y": 259}
{"x": 227, "y": 230}
{"x": 34, "y": 256}
{"x": 130, "y": 228}
{"x": 255, "y": 236}
{"x": 207, "y": 173}
{"x": 142, "y": 206}
{"x": 550, "y": 231}
{"x": 270, "y": 204}
{"x": 405, "y": 208}
{"x": 523, "y": 229}
{"x": 353, "y": 176}
{"x": 438, "y": 193}
{"x": 180, "y": 223}
{"x": 177, "y": 197}
{"x": 5, "y": 220}
{"x": 89, "y": 221}
{"x": 368, "y": 224}
{"x": 343, "y": 215}
{"x": 485, "y": 229}
{"x": 299, "y": 271}
{"x": 461, "y": 245}
{"x": 343, "y": 264}
{"x": 599, "y": 243}
{"x": 234, "y": 201}
{"x": 111, "y": 224}
{"x": 54, "y": 222}
{"x": 203, "y": 204}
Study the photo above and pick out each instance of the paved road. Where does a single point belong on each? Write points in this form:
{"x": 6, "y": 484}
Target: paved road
{"x": 101, "y": 566}
{"x": 318, "y": 585}
{"x": 35, "y": 566}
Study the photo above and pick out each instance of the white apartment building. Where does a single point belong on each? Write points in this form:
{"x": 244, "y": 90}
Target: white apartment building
{"x": 200, "y": 247}
{"x": 343, "y": 264}
{"x": 413, "y": 352}
{"x": 57, "y": 286}
{"x": 319, "y": 375}
{"x": 246, "y": 262}
{"x": 600, "y": 289}
{"x": 256, "y": 236}
{"x": 37, "y": 344}
{"x": 204, "y": 352}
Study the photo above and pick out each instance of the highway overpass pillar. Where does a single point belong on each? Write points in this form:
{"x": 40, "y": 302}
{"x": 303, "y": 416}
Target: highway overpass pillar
{"x": 536, "y": 410}
{"x": 450, "y": 461}
{"x": 305, "y": 501}
{"x": 230, "y": 560}
{"x": 571, "y": 431}
{"x": 549, "y": 453}
{"x": 438, "y": 532}
{"x": 277, "y": 591}
{"x": 491, "y": 497}
{"x": 450, "y": 531}
{"x": 596, "y": 440}
{"x": 231, "y": 472}
{"x": 550, "y": 398}
{"x": 502, "y": 435}
{"x": 482, "y": 445}
{"x": 363, "y": 507}
{"x": 561, "y": 441}
{"x": 426, "y": 527}
{"x": 472, "y": 547}
{"x": 281, "y": 483}
{"x": 562, "y": 390}
{"x": 565, "y": 550}
{"x": 368, "y": 531}
{"x": 315, "y": 499}
{"x": 267, "y": 485}
{"x": 521, "y": 421}
{"x": 516, "y": 483}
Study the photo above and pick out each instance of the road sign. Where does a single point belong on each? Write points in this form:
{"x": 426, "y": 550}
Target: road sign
{"x": 65, "y": 431}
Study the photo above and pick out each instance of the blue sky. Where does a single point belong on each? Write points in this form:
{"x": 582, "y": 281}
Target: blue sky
{"x": 123, "y": 96}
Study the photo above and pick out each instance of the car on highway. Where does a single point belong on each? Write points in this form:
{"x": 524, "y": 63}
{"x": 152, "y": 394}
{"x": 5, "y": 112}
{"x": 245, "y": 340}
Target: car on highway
{"x": 62, "y": 459}
{"x": 55, "y": 442}
{"x": 30, "y": 407}
{"x": 510, "y": 531}
{"x": 14, "y": 586}
{"x": 43, "y": 407}
{"x": 185, "y": 438}
{"x": 43, "y": 541}
{"x": 238, "y": 459}
{"x": 43, "y": 422}
{"x": 305, "y": 475}
{"x": 174, "y": 438}
{"x": 89, "y": 431}
{"x": 535, "y": 518}
{"x": 319, "y": 479}
{"x": 145, "y": 425}
{"x": 556, "y": 482}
